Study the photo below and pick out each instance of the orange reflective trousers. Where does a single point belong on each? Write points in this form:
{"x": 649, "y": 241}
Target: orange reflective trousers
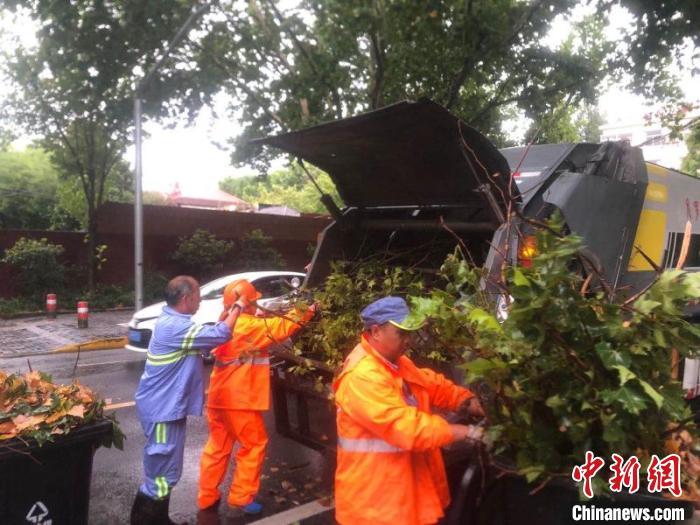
{"x": 227, "y": 427}
{"x": 239, "y": 390}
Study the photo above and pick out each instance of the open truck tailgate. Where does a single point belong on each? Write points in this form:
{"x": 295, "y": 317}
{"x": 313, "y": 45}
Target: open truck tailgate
{"x": 406, "y": 154}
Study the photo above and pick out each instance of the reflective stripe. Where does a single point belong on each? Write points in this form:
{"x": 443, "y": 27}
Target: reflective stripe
{"x": 189, "y": 338}
{"x": 242, "y": 361}
{"x": 366, "y": 445}
{"x": 161, "y": 433}
{"x": 165, "y": 359}
{"x": 161, "y": 486}
{"x": 184, "y": 350}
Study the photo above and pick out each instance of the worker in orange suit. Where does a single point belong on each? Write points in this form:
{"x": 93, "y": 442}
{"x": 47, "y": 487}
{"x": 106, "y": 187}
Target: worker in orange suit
{"x": 239, "y": 391}
{"x": 390, "y": 470}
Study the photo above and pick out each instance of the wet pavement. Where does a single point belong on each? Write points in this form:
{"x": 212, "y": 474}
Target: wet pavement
{"x": 293, "y": 475}
{"x": 39, "y": 335}
{"x": 296, "y": 480}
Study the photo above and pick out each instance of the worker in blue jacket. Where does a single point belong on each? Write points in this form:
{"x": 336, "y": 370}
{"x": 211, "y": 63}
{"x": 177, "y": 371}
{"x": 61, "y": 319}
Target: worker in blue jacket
{"x": 170, "y": 389}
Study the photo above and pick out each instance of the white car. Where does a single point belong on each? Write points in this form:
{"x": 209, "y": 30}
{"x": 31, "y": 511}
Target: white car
{"x": 274, "y": 287}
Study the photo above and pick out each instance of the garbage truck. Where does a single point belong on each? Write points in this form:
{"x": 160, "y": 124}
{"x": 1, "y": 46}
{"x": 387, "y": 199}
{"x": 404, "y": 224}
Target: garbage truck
{"x": 412, "y": 177}
{"x": 415, "y": 180}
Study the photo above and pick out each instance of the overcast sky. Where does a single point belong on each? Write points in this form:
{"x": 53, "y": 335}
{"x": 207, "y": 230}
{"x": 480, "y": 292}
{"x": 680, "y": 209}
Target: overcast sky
{"x": 189, "y": 156}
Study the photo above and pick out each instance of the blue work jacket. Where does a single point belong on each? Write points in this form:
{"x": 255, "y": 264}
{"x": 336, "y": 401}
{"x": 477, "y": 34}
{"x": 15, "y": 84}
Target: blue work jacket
{"x": 172, "y": 384}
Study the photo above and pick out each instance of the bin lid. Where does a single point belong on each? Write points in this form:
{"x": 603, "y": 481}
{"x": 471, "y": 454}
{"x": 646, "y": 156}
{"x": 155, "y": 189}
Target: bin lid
{"x": 406, "y": 154}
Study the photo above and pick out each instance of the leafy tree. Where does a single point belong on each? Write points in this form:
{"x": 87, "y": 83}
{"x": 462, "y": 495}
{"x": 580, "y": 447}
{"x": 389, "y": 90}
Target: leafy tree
{"x": 568, "y": 371}
{"x": 588, "y": 123}
{"x": 154, "y": 198}
{"x": 691, "y": 162}
{"x": 567, "y": 124}
{"x": 323, "y": 60}
{"x": 331, "y": 59}
{"x": 289, "y": 186}
{"x": 202, "y": 255}
{"x": 75, "y": 89}
{"x": 255, "y": 253}
{"x": 118, "y": 187}
{"x": 28, "y": 185}
{"x": 36, "y": 262}
{"x": 554, "y": 127}
{"x": 653, "y": 42}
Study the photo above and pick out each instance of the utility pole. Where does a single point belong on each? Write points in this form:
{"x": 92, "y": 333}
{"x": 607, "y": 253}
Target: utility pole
{"x": 138, "y": 197}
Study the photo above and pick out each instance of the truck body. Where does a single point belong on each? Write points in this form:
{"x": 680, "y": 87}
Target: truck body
{"x": 415, "y": 181}
{"x": 414, "y": 178}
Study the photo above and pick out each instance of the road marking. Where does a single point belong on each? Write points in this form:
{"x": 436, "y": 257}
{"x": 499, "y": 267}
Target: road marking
{"x": 296, "y": 514}
{"x": 126, "y": 404}
{"x": 117, "y": 406}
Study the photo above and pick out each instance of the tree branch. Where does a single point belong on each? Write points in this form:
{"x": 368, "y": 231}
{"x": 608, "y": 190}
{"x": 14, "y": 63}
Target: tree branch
{"x": 377, "y": 53}
{"x": 233, "y": 77}
{"x": 305, "y": 54}
{"x": 469, "y": 58}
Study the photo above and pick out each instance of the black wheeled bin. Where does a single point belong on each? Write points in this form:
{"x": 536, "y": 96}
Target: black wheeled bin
{"x": 49, "y": 485}
{"x": 302, "y": 413}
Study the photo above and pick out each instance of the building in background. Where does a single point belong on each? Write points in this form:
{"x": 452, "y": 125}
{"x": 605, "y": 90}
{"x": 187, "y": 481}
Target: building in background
{"x": 207, "y": 199}
{"x": 653, "y": 138}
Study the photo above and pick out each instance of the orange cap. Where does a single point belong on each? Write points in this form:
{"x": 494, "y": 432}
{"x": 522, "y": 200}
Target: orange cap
{"x": 238, "y": 289}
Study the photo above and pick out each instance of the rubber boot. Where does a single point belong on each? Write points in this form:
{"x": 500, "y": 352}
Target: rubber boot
{"x": 145, "y": 511}
{"x": 163, "y": 506}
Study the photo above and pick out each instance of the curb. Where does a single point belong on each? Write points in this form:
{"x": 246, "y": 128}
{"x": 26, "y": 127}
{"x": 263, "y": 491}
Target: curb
{"x": 42, "y": 313}
{"x": 109, "y": 343}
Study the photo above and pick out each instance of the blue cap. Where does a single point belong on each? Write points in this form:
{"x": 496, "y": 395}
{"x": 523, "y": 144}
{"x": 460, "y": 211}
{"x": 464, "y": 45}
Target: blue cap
{"x": 392, "y": 310}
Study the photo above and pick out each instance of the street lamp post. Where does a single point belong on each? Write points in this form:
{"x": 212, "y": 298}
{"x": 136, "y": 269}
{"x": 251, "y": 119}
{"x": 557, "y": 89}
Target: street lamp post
{"x": 138, "y": 197}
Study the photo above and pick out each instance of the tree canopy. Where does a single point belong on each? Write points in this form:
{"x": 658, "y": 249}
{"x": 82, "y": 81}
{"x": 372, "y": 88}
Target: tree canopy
{"x": 75, "y": 88}
{"x": 691, "y": 163}
{"x": 288, "y": 186}
{"x": 486, "y": 61}
{"x": 293, "y": 65}
{"x": 28, "y": 185}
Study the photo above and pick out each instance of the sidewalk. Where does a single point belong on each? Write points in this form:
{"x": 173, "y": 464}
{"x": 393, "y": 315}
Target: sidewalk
{"x": 39, "y": 335}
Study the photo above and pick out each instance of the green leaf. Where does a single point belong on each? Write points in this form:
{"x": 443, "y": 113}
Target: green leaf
{"x": 481, "y": 367}
{"x": 533, "y": 472}
{"x": 519, "y": 278}
{"x": 484, "y": 320}
{"x": 653, "y": 394}
{"x": 659, "y": 338}
{"x": 554, "y": 401}
{"x": 646, "y": 306}
{"x": 631, "y": 401}
{"x": 625, "y": 373}
{"x": 611, "y": 357}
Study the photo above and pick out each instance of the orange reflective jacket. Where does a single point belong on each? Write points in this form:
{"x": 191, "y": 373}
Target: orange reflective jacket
{"x": 390, "y": 470}
{"x": 241, "y": 375}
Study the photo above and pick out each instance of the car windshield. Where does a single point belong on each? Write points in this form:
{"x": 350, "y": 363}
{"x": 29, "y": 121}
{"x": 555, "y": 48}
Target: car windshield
{"x": 274, "y": 286}
{"x": 215, "y": 289}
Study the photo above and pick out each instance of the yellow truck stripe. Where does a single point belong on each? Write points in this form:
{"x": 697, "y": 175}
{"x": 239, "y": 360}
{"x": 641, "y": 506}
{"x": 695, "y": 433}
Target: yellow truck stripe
{"x": 649, "y": 239}
{"x": 656, "y": 192}
{"x": 657, "y": 171}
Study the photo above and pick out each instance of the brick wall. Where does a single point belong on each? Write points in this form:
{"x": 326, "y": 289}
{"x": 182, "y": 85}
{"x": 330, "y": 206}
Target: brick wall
{"x": 163, "y": 226}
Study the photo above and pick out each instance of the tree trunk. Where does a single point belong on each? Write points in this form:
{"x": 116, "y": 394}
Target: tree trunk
{"x": 91, "y": 247}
